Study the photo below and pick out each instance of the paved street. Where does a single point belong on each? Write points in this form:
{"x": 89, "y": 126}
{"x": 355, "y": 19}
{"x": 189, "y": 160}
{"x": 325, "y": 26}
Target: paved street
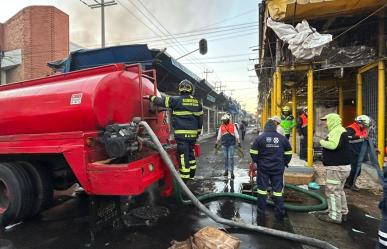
{"x": 66, "y": 225}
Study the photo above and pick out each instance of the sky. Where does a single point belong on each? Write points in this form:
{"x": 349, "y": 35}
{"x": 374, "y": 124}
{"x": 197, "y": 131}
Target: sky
{"x": 230, "y": 27}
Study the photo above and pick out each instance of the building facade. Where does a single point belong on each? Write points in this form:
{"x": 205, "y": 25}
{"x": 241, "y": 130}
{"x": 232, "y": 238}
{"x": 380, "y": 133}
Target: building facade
{"x": 30, "y": 39}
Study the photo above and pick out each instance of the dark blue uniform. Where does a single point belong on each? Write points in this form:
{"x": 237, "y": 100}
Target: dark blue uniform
{"x": 271, "y": 152}
{"x": 383, "y": 208}
{"x": 187, "y": 122}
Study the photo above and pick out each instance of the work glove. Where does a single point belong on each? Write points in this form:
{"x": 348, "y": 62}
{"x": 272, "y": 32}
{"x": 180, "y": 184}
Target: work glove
{"x": 217, "y": 147}
{"x": 147, "y": 97}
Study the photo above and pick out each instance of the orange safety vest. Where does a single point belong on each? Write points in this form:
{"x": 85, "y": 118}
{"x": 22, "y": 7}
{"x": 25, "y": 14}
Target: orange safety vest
{"x": 304, "y": 119}
{"x": 359, "y": 132}
{"x": 227, "y": 129}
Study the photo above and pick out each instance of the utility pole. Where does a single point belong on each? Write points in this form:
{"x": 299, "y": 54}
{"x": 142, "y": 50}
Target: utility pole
{"x": 102, "y": 4}
{"x": 207, "y": 71}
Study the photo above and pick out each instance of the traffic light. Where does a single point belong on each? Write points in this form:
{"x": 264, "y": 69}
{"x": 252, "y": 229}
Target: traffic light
{"x": 203, "y": 46}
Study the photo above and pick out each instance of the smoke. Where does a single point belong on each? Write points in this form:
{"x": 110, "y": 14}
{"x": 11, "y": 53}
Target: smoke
{"x": 122, "y": 28}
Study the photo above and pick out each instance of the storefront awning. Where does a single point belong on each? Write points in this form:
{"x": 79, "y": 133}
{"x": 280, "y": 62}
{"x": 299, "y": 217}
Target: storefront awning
{"x": 285, "y": 10}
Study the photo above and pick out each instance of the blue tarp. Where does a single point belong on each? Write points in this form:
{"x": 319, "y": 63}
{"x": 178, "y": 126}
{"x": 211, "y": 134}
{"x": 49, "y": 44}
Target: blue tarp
{"x": 169, "y": 71}
{"x": 86, "y": 58}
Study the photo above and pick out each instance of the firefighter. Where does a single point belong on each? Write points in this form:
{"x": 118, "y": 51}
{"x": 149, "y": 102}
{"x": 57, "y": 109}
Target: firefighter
{"x": 187, "y": 122}
{"x": 336, "y": 159}
{"x": 228, "y": 135}
{"x": 271, "y": 152}
{"x": 302, "y": 127}
{"x": 287, "y": 121}
{"x": 357, "y": 134}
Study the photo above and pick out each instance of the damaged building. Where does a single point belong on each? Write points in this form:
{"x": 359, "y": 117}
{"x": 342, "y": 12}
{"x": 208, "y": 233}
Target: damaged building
{"x": 328, "y": 56}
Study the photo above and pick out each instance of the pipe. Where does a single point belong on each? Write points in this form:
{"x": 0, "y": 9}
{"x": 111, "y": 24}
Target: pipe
{"x": 274, "y": 96}
{"x": 359, "y": 94}
{"x": 279, "y": 92}
{"x": 310, "y": 118}
{"x": 381, "y": 111}
{"x": 294, "y": 113}
{"x": 341, "y": 100}
{"x": 286, "y": 235}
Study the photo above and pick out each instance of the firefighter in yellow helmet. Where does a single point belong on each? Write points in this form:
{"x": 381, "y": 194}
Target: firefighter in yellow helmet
{"x": 187, "y": 122}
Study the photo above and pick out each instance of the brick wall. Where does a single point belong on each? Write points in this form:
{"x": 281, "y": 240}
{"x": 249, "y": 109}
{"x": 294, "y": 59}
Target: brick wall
{"x": 1, "y": 36}
{"x": 42, "y": 33}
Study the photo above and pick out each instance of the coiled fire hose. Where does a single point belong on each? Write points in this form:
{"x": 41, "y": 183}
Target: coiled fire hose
{"x": 296, "y": 208}
{"x": 286, "y": 235}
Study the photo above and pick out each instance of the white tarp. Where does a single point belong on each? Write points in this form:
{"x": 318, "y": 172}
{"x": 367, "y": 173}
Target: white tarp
{"x": 304, "y": 42}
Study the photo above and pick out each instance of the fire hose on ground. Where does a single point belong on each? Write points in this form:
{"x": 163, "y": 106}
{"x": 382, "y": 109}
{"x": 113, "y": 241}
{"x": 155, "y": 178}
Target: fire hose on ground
{"x": 322, "y": 205}
{"x": 286, "y": 235}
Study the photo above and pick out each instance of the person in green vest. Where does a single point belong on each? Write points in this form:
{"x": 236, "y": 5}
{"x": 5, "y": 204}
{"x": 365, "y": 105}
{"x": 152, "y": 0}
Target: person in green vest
{"x": 287, "y": 121}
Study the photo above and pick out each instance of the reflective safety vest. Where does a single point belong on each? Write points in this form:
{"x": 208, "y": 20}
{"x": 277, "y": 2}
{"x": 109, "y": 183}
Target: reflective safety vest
{"x": 304, "y": 120}
{"x": 359, "y": 132}
{"x": 228, "y": 134}
{"x": 229, "y": 128}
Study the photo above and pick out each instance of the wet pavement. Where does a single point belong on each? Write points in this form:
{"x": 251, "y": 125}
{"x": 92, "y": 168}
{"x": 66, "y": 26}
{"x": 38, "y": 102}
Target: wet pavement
{"x": 66, "y": 225}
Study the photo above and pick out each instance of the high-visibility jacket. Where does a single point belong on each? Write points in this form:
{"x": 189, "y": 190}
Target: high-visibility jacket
{"x": 187, "y": 115}
{"x": 355, "y": 132}
{"x": 304, "y": 120}
{"x": 288, "y": 122}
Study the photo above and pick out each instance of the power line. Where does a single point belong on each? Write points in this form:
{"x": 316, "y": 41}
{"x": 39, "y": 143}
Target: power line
{"x": 192, "y": 33}
{"x": 229, "y": 18}
{"x": 159, "y": 23}
{"x": 362, "y": 20}
{"x": 222, "y": 37}
{"x": 102, "y": 6}
{"x": 141, "y": 21}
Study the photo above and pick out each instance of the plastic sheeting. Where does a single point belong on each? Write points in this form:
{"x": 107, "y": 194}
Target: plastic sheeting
{"x": 304, "y": 41}
{"x": 351, "y": 56}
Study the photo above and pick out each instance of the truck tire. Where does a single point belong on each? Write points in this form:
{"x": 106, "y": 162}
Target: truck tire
{"x": 42, "y": 181}
{"x": 16, "y": 193}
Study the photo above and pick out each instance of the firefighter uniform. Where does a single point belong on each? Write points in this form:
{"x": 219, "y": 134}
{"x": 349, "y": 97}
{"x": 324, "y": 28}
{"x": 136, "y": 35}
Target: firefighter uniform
{"x": 271, "y": 152}
{"x": 187, "y": 122}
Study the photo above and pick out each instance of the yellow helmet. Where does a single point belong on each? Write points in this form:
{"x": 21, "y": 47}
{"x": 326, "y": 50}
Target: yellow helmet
{"x": 286, "y": 109}
{"x": 186, "y": 86}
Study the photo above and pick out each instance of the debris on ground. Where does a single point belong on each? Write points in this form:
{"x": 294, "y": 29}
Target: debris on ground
{"x": 208, "y": 238}
{"x": 320, "y": 173}
{"x": 365, "y": 181}
{"x": 152, "y": 213}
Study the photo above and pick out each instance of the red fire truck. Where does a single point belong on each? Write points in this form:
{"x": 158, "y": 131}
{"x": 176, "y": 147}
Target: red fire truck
{"x": 77, "y": 127}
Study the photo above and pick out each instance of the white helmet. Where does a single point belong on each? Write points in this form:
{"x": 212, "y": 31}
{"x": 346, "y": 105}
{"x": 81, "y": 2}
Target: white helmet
{"x": 363, "y": 119}
{"x": 276, "y": 119}
{"x": 225, "y": 117}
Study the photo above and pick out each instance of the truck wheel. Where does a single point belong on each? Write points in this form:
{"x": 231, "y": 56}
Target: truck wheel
{"x": 42, "y": 181}
{"x": 16, "y": 193}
